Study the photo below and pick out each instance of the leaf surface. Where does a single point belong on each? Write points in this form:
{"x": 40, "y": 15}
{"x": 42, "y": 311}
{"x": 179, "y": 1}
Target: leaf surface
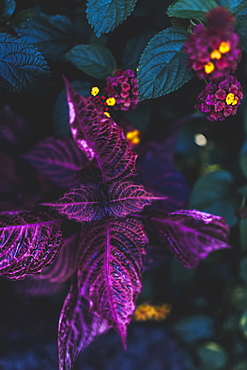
{"x": 191, "y": 235}
{"x": 57, "y": 160}
{"x": 99, "y": 137}
{"x": 53, "y": 36}
{"x": 162, "y": 68}
{"x": 28, "y": 242}
{"x": 77, "y": 327}
{"x": 95, "y": 60}
{"x": 109, "y": 269}
{"x": 23, "y": 68}
{"x": 191, "y": 10}
{"x": 105, "y": 15}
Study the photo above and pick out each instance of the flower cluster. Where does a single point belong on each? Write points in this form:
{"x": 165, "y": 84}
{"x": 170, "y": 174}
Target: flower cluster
{"x": 220, "y": 99}
{"x": 148, "y": 312}
{"x": 213, "y": 51}
{"x": 123, "y": 87}
{"x": 101, "y": 101}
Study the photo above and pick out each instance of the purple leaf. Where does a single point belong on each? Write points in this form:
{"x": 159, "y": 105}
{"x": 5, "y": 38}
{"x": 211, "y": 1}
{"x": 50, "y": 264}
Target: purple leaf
{"x": 77, "y": 327}
{"x": 33, "y": 287}
{"x": 81, "y": 203}
{"x": 126, "y": 197}
{"x": 57, "y": 160}
{"x": 99, "y": 137}
{"x": 191, "y": 235}
{"x": 64, "y": 264}
{"x": 109, "y": 269}
{"x": 28, "y": 242}
{"x": 90, "y": 202}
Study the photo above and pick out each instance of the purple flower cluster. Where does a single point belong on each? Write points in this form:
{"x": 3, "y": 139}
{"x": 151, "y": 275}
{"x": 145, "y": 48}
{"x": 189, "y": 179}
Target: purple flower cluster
{"x": 123, "y": 87}
{"x": 220, "y": 99}
{"x": 213, "y": 51}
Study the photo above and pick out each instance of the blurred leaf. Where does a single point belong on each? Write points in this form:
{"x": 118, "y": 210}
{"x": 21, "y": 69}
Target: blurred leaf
{"x": 243, "y": 233}
{"x": 140, "y": 116}
{"x": 243, "y": 323}
{"x": 61, "y": 111}
{"x": 132, "y": 51}
{"x": 237, "y": 7}
{"x": 105, "y": 15}
{"x": 212, "y": 356}
{"x": 162, "y": 68}
{"x": 243, "y": 269}
{"x": 8, "y": 8}
{"x": 53, "y": 36}
{"x": 241, "y": 29}
{"x": 95, "y": 60}
{"x": 189, "y": 9}
{"x": 212, "y": 193}
{"x": 23, "y": 68}
{"x": 194, "y": 328}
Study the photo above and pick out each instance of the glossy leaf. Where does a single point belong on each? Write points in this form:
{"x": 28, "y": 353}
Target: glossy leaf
{"x": 95, "y": 60}
{"x": 78, "y": 327}
{"x": 8, "y": 8}
{"x": 23, "y": 68}
{"x": 28, "y": 242}
{"x": 109, "y": 269}
{"x": 126, "y": 197}
{"x": 81, "y": 203}
{"x": 53, "y": 36}
{"x": 105, "y": 15}
{"x": 57, "y": 160}
{"x": 191, "y": 235}
{"x": 188, "y": 9}
{"x": 61, "y": 111}
{"x": 212, "y": 193}
{"x": 162, "y": 68}
{"x": 100, "y": 138}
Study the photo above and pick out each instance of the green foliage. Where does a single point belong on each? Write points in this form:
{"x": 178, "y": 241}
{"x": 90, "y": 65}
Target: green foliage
{"x": 162, "y": 67}
{"x": 105, "y": 15}
{"x": 191, "y": 9}
{"x": 241, "y": 29}
{"x": 95, "y": 60}
{"x": 139, "y": 117}
{"x": 53, "y": 36}
{"x": 23, "y": 68}
{"x": 8, "y": 8}
{"x": 212, "y": 193}
{"x": 212, "y": 356}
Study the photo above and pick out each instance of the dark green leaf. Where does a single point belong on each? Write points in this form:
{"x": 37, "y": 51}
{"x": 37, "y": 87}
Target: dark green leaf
{"x": 105, "y": 15}
{"x": 8, "y": 8}
{"x": 53, "y": 36}
{"x": 212, "y": 194}
{"x": 134, "y": 48}
{"x": 212, "y": 356}
{"x": 140, "y": 116}
{"x": 243, "y": 323}
{"x": 243, "y": 233}
{"x": 191, "y": 9}
{"x": 23, "y": 68}
{"x": 241, "y": 29}
{"x": 237, "y": 7}
{"x": 243, "y": 159}
{"x": 162, "y": 67}
{"x": 243, "y": 269}
{"x": 194, "y": 328}
{"x": 61, "y": 112}
{"x": 95, "y": 60}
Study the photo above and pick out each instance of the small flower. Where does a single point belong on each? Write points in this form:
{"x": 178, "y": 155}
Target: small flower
{"x": 213, "y": 51}
{"x": 123, "y": 88}
{"x": 133, "y": 137}
{"x": 148, "y": 312}
{"x": 220, "y": 100}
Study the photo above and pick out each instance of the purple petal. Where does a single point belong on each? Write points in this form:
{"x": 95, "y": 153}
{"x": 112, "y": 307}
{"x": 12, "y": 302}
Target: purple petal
{"x": 191, "y": 235}
{"x": 99, "y": 137}
{"x": 28, "y": 242}
{"x": 110, "y": 267}
{"x": 77, "y": 327}
{"x": 57, "y": 160}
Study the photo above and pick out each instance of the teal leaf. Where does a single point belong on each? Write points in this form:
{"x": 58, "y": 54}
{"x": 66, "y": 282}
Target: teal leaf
{"x": 243, "y": 159}
{"x": 237, "y": 7}
{"x": 133, "y": 49}
{"x": 95, "y": 60}
{"x": 212, "y": 193}
{"x": 53, "y": 36}
{"x": 105, "y": 15}
{"x": 241, "y": 29}
{"x": 139, "y": 117}
{"x": 212, "y": 356}
{"x": 22, "y": 66}
{"x": 243, "y": 323}
{"x": 191, "y": 9}
{"x": 194, "y": 328}
{"x": 61, "y": 112}
{"x": 8, "y": 8}
{"x": 162, "y": 67}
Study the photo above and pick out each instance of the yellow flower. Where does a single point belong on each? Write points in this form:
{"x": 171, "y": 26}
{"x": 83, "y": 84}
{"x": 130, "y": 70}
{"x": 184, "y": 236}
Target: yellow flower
{"x": 209, "y": 67}
{"x": 111, "y": 101}
{"x": 224, "y": 47}
{"x": 215, "y": 54}
{"x": 94, "y": 90}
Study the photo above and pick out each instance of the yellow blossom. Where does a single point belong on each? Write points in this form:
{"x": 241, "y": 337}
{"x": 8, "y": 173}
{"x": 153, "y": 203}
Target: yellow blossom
{"x": 209, "y": 67}
{"x": 215, "y": 54}
{"x": 230, "y": 98}
{"x": 107, "y": 114}
{"x": 94, "y": 90}
{"x": 224, "y": 47}
{"x": 111, "y": 101}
